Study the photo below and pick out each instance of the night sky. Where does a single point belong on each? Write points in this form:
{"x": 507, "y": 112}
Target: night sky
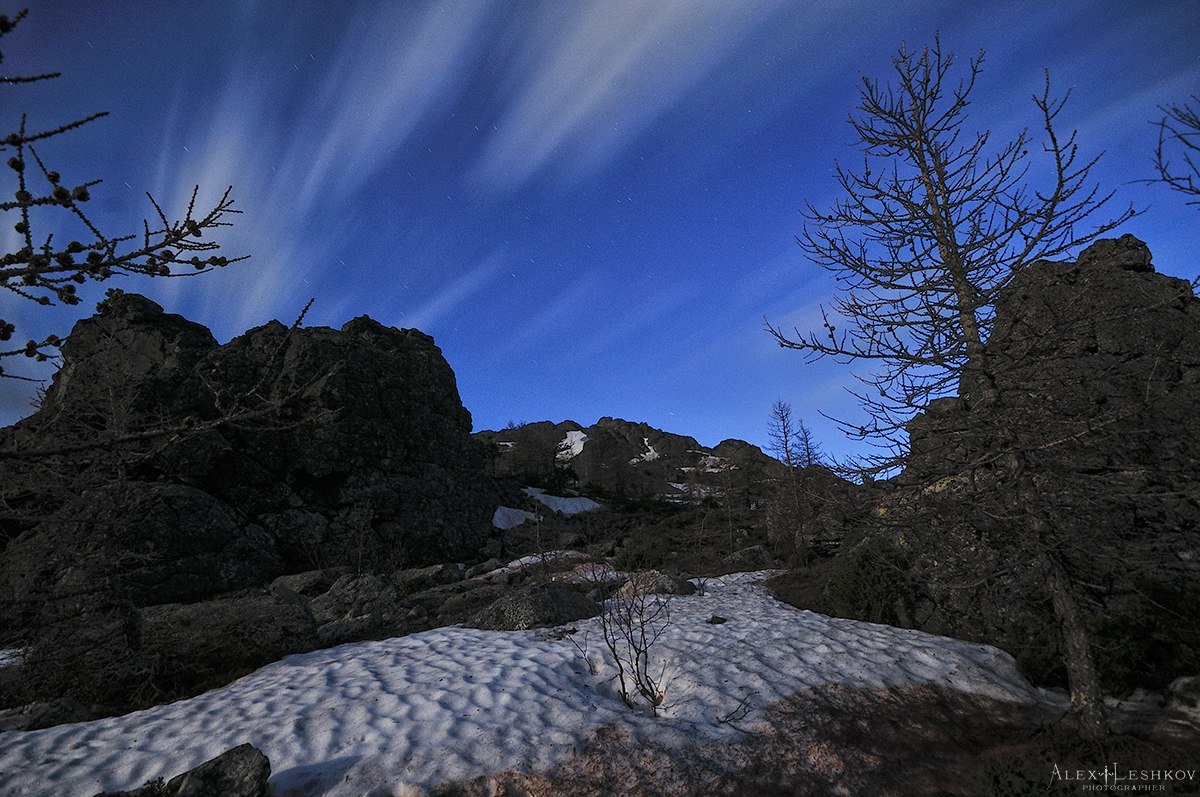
{"x": 591, "y": 206}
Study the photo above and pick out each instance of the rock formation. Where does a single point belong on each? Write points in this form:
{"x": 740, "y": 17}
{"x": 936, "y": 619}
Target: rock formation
{"x": 1092, "y": 430}
{"x": 343, "y": 447}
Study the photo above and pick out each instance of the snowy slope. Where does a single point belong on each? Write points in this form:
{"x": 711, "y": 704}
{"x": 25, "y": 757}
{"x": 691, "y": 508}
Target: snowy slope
{"x": 567, "y": 506}
{"x": 383, "y": 717}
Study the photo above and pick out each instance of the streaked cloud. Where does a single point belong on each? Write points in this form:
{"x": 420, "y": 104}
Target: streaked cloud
{"x": 297, "y": 171}
{"x": 597, "y": 74}
{"x": 454, "y": 293}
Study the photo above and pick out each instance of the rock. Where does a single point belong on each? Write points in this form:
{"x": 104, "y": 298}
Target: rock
{"x": 369, "y": 463}
{"x": 1096, "y": 369}
{"x": 421, "y": 578}
{"x": 240, "y": 772}
{"x": 654, "y": 582}
{"x": 756, "y": 557}
{"x": 716, "y": 619}
{"x": 536, "y": 606}
{"x": 36, "y": 716}
{"x": 1126, "y": 252}
{"x": 355, "y": 596}
{"x": 310, "y": 583}
{"x": 484, "y": 567}
{"x": 212, "y": 642}
{"x": 156, "y": 543}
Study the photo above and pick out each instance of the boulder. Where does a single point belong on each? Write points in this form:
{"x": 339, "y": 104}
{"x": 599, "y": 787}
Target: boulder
{"x": 653, "y": 582}
{"x": 355, "y": 596}
{"x": 147, "y": 542}
{"x": 240, "y": 772}
{"x": 536, "y": 606}
{"x": 310, "y": 583}
{"x": 755, "y": 557}
{"x": 209, "y": 643}
{"x": 36, "y": 716}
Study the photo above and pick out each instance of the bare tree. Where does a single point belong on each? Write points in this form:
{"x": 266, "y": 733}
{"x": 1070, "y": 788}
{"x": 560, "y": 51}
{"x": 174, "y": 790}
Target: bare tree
{"x": 632, "y": 628}
{"x": 792, "y": 442}
{"x": 929, "y": 232}
{"x": 1179, "y": 136}
{"x": 51, "y": 262}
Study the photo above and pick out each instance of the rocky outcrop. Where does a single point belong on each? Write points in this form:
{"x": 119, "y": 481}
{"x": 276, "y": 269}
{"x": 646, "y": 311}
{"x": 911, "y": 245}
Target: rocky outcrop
{"x": 205, "y": 644}
{"x": 630, "y": 460}
{"x": 1089, "y": 427}
{"x": 344, "y": 447}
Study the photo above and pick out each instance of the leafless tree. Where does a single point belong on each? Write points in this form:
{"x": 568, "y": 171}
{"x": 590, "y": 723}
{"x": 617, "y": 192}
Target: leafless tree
{"x": 52, "y": 261}
{"x": 1179, "y": 137}
{"x": 928, "y": 233}
{"x": 792, "y": 442}
{"x": 632, "y": 628}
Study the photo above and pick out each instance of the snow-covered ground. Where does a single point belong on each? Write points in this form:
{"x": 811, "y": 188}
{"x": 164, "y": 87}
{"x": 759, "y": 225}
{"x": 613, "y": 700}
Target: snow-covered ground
{"x": 10, "y": 657}
{"x": 393, "y": 717}
{"x": 557, "y": 503}
{"x": 505, "y": 517}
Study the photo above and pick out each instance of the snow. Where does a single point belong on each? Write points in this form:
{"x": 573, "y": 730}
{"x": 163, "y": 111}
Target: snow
{"x": 506, "y": 517}
{"x": 401, "y": 715}
{"x": 571, "y": 446}
{"x": 567, "y": 506}
{"x": 507, "y": 445}
{"x": 648, "y": 456}
{"x": 11, "y": 657}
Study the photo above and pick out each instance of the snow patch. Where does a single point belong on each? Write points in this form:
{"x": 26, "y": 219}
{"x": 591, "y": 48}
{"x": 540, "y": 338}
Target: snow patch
{"x": 567, "y": 506}
{"x": 571, "y": 446}
{"x": 404, "y": 714}
{"x": 649, "y": 455}
{"x": 12, "y": 657}
{"x": 506, "y": 517}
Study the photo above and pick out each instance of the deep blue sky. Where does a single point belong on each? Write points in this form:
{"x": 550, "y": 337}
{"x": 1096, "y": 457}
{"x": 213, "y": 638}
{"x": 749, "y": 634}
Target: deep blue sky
{"x": 590, "y": 206}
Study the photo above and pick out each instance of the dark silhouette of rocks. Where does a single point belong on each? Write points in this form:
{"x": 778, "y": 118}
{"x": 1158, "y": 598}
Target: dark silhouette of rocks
{"x": 165, "y": 481}
{"x": 367, "y": 459}
{"x": 1096, "y": 365}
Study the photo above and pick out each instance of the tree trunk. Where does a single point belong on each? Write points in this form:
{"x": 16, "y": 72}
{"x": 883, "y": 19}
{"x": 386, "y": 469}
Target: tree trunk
{"x": 1087, "y": 699}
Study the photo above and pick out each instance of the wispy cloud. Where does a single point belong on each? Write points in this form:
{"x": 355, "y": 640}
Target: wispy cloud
{"x": 454, "y": 293}
{"x": 596, "y": 75}
{"x": 298, "y": 167}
